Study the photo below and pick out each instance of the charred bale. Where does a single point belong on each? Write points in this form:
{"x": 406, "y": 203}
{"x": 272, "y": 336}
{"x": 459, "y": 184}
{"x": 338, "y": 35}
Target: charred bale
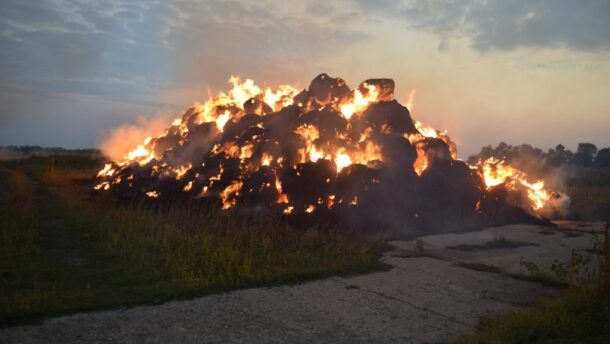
{"x": 257, "y": 105}
{"x": 436, "y": 150}
{"x": 397, "y": 152}
{"x": 325, "y": 89}
{"x": 309, "y": 183}
{"x": 327, "y": 122}
{"x": 259, "y": 189}
{"x": 500, "y": 205}
{"x": 449, "y": 192}
{"x": 388, "y": 116}
{"x": 235, "y": 129}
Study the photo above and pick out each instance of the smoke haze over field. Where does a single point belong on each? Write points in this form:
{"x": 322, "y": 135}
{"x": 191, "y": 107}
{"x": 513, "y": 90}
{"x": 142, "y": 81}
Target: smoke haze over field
{"x": 492, "y": 71}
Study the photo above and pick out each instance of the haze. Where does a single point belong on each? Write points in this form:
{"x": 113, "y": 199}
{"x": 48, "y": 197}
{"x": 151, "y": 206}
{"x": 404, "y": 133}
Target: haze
{"x": 519, "y": 71}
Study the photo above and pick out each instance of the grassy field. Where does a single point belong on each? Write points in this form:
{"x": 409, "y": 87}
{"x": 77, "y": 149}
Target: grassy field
{"x": 576, "y": 317}
{"x": 65, "y": 249}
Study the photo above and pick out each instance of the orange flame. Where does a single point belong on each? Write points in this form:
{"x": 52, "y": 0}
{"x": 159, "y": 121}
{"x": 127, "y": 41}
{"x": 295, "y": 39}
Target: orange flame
{"x": 496, "y": 172}
{"x": 358, "y": 101}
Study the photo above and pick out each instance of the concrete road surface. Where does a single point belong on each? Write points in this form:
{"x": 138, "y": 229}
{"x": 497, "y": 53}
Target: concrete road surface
{"x": 424, "y": 298}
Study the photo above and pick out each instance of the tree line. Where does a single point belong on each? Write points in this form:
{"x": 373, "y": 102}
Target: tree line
{"x": 586, "y": 155}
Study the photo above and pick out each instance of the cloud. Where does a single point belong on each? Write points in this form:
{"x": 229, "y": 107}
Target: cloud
{"x": 55, "y": 39}
{"x": 141, "y": 52}
{"x": 161, "y": 42}
{"x": 214, "y": 38}
{"x": 506, "y": 25}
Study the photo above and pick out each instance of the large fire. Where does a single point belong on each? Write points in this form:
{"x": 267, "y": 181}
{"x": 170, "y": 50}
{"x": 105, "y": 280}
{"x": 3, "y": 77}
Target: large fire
{"x": 309, "y": 152}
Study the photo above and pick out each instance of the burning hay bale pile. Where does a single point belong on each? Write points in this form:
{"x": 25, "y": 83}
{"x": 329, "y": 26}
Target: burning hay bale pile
{"x": 324, "y": 154}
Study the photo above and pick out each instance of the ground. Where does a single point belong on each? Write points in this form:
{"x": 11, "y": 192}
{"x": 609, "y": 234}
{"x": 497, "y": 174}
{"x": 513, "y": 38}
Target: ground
{"x": 439, "y": 287}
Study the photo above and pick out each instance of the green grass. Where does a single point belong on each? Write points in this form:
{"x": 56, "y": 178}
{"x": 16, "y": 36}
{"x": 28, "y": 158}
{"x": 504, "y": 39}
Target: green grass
{"x": 540, "y": 277}
{"x": 491, "y": 245}
{"x": 18, "y": 220}
{"x": 68, "y": 250}
{"x": 572, "y": 318}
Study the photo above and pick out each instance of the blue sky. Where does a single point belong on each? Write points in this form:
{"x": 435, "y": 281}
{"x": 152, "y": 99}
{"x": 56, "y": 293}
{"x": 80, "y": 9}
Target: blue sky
{"x": 487, "y": 71}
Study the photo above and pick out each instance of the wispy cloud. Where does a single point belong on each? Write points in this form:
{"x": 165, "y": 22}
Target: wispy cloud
{"x": 506, "y": 25}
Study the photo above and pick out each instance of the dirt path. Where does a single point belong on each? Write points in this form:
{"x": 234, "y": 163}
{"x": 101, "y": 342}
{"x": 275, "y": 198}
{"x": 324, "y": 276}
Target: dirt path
{"x": 422, "y": 299}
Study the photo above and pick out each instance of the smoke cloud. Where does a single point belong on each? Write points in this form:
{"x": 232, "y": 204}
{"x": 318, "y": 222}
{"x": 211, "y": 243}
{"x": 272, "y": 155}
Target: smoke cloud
{"x": 121, "y": 140}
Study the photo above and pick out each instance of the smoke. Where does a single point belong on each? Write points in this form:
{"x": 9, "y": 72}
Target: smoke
{"x": 121, "y": 140}
{"x": 555, "y": 177}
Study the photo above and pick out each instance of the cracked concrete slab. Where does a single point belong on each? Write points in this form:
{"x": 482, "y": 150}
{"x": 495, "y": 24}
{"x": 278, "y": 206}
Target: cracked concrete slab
{"x": 507, "y": 247}
{"x": 420, "y": 300}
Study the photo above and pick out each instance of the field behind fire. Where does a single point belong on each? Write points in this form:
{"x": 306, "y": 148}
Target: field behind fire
{"x": 66, "y": 249}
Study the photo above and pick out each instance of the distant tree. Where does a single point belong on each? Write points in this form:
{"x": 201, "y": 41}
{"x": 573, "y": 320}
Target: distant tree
{"x": 502, "y": 150}
{"x": 559, "y": 156}
{"x": 603, "y": 157}
{"x": 528, "y": 150}
{"x": 485, "y": 153}
{"x": 585, "y": 154}
{"x": 527, "y": 157}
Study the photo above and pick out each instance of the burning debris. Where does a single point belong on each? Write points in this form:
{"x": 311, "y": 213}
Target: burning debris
{"x": 323, "y": 154}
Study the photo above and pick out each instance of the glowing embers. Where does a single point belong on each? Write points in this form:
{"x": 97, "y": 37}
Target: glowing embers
{"x": 102, "y": 186}
{"x": 107, "y": 171}
{"x": 153, "y": 194}
{"x": 266, "y": 159}
{"x": 282, "y": 198}
{"x": 361, "y": 152}
{"x": 229, "y": 195}
{"x": 188, "y": 186}
{"x": 180, "y": 171}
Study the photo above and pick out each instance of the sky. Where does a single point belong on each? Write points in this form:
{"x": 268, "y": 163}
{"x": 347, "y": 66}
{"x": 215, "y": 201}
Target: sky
{"x": 517, "y": 71}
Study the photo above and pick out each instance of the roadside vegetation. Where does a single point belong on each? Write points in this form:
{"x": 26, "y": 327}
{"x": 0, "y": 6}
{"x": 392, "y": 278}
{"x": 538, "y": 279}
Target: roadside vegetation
{"x": 66, "y": 249}
{"x": 580, "y": 315}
